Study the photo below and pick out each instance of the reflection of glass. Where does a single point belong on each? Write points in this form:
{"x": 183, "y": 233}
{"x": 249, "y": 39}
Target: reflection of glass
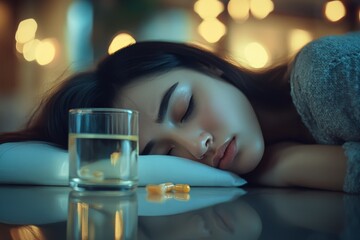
{"x": 103, "y": 148}
{"x": 102, "y": 215}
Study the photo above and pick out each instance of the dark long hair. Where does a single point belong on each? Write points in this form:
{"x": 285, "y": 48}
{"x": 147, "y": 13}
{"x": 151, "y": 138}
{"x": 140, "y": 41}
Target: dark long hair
{"x": 98, "y": 87}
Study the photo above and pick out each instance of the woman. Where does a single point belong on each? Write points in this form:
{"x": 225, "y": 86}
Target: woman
{"x": 284, "y": 126}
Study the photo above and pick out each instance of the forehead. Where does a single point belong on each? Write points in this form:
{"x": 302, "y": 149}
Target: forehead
{"x": 150, "y": 89}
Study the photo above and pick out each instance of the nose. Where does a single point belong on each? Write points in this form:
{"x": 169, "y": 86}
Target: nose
{"x": 197, "y": 143}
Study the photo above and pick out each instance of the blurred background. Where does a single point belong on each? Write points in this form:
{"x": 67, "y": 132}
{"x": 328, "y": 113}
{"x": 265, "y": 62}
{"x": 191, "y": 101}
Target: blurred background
{"x": 44, "y": 41}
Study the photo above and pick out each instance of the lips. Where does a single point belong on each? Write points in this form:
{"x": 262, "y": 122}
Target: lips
{"x": 225, "y": 154}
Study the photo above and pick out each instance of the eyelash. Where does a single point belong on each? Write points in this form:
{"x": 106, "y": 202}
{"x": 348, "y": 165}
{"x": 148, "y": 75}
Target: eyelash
{"x": 169, "y": 152}
{"x": 189, "y": 110}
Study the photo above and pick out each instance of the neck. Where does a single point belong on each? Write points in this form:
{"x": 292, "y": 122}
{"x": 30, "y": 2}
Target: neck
{"x": 282, "y": 125}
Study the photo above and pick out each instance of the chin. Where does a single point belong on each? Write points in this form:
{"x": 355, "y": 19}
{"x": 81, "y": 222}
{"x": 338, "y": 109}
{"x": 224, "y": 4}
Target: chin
{"x": 246, "y": 166}
{"x": 249, "y": 158}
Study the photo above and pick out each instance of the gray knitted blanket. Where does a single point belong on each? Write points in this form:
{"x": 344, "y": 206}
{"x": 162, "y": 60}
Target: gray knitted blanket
{"x": 325, "y": 87}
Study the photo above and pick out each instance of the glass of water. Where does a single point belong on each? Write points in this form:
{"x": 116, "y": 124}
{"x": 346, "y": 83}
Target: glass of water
{"x": 103, "y": 149}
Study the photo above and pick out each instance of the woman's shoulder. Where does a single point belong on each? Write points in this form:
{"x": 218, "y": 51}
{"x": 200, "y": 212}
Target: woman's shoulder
{"x": 327, "y": 52}
{"x": 328, "y": 61}
{"x": 324, "y": 79}
{"x": 333, "y": 44}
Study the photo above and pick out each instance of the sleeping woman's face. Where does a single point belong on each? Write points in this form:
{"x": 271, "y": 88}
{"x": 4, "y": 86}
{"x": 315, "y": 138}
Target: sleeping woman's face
{"x": 189, "y": 114}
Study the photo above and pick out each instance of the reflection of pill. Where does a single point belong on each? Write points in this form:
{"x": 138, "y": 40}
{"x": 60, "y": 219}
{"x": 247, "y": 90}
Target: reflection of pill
{"x": 185, "y": 188}
{"x": 84, "y": 171}
{"x": 98, "y": 174}
{"x": 182, "y": 196}
{"x": 114, "y": 157}
{"x": 158, "y": 198}
{"x": 155, "y": 198}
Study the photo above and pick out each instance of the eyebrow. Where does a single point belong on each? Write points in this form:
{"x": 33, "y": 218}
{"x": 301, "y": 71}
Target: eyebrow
{"x": 165, "y": 102}
{"x": 161, "y": 115}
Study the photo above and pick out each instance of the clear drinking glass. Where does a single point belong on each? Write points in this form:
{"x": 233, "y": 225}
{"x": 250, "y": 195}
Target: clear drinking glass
{"x": 103, "y": 149}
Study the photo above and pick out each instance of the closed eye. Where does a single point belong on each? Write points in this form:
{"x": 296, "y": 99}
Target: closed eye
{"x": 189, "y": 110}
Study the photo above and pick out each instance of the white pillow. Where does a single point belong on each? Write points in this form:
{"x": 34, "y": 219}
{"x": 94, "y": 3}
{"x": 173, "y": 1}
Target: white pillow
{"x": 44, "y": 164}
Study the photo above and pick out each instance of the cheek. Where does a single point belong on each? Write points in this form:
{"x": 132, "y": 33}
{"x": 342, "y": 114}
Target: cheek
{"x": 210, "y": 115}
{"x": 216, "y": 111}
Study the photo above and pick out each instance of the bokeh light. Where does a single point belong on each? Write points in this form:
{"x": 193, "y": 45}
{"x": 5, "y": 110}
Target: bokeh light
{"x": 19, "y": 47}
{"x": 261, "y": 8}
{"x": 120, "y": 41}
{"x": 334, "y": 10}
{"x": 26, "y": 30}
{"x": 208, "y": 8}
{"x": 239, "y": 10}
{"x": 45, "y": 52}
{"x": 298, "y": 38}
{"x": 256, "y": 55}
{"x": 29, "y": 49}
{"x": 212, "y": 30}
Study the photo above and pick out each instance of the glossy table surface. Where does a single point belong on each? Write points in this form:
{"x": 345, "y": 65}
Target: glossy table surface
{"x": 38, "y": 212}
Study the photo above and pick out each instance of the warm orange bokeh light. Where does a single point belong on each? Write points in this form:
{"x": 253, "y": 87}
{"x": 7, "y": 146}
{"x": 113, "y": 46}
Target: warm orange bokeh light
{"x": 208, "y": 8}
{"x": 239, "y": 10}
{"x": 26, "y": 30}
{"x": 212, "y": 30}
{"x": 256, "y": 55}
{"x": 45, "y": 52}
{"x": 120, "y": 41}
{"x": 335, "y": 10}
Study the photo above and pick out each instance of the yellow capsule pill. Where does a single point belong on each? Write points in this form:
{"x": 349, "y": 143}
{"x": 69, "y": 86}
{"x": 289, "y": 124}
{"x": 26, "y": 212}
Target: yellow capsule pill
{"x": 184, "y": 188}
{"x": 160, "y": 188}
